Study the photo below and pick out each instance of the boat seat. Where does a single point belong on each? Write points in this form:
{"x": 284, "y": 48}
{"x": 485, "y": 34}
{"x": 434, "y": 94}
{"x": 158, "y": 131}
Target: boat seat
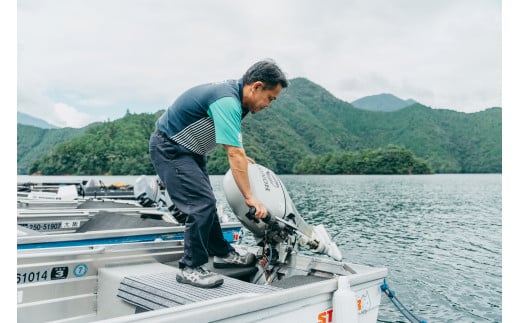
{"x": 105, "y": 220}
{"x": 105, "y": 204}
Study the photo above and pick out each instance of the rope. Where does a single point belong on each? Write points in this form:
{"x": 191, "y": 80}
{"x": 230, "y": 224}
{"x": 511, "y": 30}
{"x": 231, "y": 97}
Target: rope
{"x": 406, "y": 313}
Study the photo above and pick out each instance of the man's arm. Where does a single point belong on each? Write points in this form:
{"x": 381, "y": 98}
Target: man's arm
{"x": 238, "y": 163}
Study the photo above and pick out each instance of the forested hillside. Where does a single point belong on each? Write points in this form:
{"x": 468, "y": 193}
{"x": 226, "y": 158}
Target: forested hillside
{"x": 306, "y": 121}
{"x": 34, "y": 142}
{"x": 115, "y": 148}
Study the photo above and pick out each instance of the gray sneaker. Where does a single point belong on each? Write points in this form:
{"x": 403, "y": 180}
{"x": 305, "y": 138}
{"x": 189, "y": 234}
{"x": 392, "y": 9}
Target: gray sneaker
{"x": 199, "y": 277}
{"x": 234, "y": 259}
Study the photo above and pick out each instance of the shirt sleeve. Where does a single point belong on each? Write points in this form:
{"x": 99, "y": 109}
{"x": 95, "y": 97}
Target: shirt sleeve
{"x": 226, "y": 113}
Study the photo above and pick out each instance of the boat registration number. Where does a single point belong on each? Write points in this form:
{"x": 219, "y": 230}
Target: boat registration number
{"x": 53, "y": 273}
{"x": 52, "y": 226}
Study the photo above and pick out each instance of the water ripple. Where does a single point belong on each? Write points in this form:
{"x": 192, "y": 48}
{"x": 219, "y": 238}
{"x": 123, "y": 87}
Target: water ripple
{"x": 438, "y": 235}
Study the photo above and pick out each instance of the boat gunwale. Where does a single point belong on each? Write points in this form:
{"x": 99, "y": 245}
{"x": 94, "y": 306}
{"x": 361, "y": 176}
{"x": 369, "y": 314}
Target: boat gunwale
{"x": 107, "y": 234}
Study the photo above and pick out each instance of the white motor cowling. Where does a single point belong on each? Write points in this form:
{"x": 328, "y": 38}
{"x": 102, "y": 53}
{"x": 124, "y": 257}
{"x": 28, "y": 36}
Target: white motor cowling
{"x": 269, "y": 189}
{"x": 147, "y": 191}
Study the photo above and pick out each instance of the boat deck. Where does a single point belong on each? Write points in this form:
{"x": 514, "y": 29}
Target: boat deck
{"x": 161, "y": 290}
{"x": 151, "y": 288}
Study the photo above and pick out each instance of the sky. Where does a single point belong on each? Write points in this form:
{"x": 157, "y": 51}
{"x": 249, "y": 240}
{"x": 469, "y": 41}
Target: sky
{"x": 85, "y": 61}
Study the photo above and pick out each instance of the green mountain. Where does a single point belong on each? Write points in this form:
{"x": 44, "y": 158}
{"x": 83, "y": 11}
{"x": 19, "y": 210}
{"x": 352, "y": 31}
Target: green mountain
{"x": 118, "y": 147}
{"x": 382, "y": 102}
{"x": 305, "y": 121}
{"x": 34, "y": 142}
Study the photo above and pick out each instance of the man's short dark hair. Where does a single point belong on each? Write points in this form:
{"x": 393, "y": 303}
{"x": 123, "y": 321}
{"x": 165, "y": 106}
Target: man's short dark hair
{"x": 265, "y": 71}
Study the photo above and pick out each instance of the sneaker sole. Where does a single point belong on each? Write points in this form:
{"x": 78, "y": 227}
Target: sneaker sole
{"x": 183, "y": 280}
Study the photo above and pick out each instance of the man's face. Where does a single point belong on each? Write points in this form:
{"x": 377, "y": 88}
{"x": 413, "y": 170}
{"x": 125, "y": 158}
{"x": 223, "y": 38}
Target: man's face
{"x": 260, "y": 97}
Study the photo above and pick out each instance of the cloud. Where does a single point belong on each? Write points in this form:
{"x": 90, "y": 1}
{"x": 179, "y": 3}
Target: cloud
{"x": 106, "y": 57}
{"x": 67, "y": 116}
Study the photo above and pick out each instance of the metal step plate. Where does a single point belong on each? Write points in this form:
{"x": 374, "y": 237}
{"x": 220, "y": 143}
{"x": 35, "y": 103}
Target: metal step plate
{"x": 161, "y": 290}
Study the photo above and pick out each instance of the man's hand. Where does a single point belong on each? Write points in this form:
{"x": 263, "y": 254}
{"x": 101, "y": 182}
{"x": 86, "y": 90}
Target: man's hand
{"x": 261, "y": 211}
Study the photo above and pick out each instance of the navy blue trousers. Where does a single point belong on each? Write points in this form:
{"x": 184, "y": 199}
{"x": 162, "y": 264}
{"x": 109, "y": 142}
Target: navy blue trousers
{"x": 186, "y": 179}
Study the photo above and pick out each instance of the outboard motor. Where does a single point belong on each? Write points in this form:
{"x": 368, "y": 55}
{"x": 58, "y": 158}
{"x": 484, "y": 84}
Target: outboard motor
{"x": 148, "y": 193}
{"x": 284, "y": 225}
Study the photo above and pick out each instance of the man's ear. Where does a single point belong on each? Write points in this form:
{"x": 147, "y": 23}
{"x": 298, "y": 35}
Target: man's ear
{"x": 258, "y": 85}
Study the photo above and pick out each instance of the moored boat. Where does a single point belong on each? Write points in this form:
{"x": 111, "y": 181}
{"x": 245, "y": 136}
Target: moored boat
{"x": 299, "y": 274}
{"x": 87, "y": 188}
{"x": 63, "y": 211}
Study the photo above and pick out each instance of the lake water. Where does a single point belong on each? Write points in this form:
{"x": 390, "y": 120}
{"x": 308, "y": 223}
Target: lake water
{"x": 440, "y": 236}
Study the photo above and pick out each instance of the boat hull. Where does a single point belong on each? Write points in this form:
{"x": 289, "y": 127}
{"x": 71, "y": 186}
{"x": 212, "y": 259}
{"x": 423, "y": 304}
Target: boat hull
{"x": 83, "y": 283}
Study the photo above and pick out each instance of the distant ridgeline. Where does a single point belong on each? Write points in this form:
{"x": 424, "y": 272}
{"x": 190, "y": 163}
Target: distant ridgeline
{"x": 305, "y": 131}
